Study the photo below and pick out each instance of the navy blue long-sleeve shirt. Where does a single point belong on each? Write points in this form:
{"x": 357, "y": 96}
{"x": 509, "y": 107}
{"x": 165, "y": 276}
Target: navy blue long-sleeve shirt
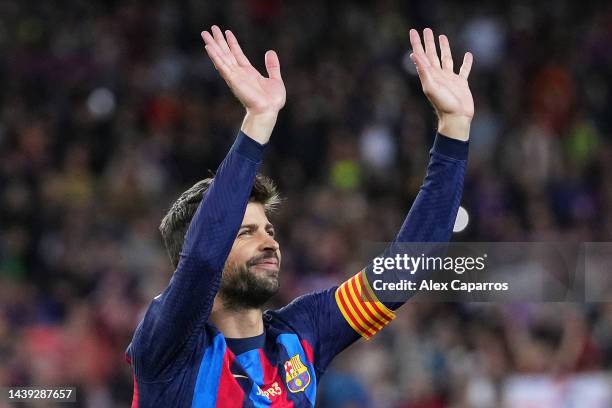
{"x": 180, "y": 359}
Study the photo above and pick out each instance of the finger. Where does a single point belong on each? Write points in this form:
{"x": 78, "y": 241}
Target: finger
{"x": 422, "y": 65}
{"x": 212, "y": 44}
{"x": 273, "y": 65}
{"x": 217, "y": 60}
{"x": 212, "y": 54}
{"x": 445, "y": 54}
{"x": 236, "y": 50}
{"x": 222, "y": 43}
{"x": 208, "y": 39}
{"x": 415, "y": 41}
{"x": 430, "y": 47}
{"x": 466, "y": 67}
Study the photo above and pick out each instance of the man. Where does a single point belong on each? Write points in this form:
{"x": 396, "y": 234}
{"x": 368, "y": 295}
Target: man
{"x": 205, "y": 340}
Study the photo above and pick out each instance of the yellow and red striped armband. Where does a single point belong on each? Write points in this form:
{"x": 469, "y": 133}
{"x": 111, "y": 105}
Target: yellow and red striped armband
{"x": 360, "y": 307}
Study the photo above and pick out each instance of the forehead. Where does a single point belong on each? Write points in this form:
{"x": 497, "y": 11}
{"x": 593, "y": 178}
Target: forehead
{"x": 255, "y": 214}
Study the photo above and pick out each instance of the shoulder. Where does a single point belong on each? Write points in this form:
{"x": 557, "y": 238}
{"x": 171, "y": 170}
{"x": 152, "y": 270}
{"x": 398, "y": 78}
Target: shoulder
{"x": 300, "y": 315}
{"x": 148, "y": 369}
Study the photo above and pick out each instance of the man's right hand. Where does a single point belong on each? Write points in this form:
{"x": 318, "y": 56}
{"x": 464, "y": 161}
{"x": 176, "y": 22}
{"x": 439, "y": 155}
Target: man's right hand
{"x": 262, "y": 97}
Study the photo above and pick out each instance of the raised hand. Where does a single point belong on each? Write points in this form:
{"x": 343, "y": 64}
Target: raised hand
{"x": 256, "y": 92}
{"x": 262, "y": 97}
{"x": 449, "y": 93}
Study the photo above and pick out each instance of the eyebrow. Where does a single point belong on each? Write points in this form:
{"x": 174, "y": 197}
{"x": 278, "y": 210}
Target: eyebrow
{"x": 255, "y": 226}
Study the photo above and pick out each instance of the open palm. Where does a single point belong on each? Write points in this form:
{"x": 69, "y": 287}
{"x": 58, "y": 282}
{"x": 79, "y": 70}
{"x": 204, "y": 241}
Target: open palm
{"x": 449, "y": 93}
{"x": 257, "y": 93}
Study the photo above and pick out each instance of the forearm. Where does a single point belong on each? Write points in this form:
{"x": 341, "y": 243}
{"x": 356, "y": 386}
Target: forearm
{"x": 215, "y": 223}
{"x": 259, "y": 126}
{"x": 432, "y": 215}
{"x": 187, "y": 301}
{"x": 455, "y": 127}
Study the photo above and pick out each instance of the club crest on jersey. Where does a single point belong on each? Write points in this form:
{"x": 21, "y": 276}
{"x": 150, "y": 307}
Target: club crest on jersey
{"x": 297, "y": 376}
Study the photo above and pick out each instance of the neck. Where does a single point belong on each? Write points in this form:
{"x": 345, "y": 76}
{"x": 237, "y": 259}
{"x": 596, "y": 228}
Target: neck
{"x": 236, "y": 324}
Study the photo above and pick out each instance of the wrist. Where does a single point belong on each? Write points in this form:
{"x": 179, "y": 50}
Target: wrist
{"x": 455, "y": 126}
{"x": 259, "y": 125}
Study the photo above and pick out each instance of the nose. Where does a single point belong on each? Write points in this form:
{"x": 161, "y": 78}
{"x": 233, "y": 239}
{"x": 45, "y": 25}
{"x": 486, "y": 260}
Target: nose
{"x": 268, "y": 243}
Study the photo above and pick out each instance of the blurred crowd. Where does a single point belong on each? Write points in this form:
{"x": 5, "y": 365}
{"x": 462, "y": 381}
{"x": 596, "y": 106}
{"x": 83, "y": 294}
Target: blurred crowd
{"x": 110, "y": 109}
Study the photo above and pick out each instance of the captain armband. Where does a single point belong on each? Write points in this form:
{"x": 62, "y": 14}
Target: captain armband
{"x": 360, "y": 307}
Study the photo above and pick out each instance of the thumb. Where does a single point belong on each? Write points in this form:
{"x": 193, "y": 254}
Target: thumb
{"x": 273, "y": 65}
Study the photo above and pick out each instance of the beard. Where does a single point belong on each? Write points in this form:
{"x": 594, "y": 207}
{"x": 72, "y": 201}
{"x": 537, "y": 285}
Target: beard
{"x": 241, "y": 288}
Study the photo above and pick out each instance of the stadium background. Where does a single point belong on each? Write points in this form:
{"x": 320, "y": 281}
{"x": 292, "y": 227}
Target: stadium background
{"x": 108, "y": 110}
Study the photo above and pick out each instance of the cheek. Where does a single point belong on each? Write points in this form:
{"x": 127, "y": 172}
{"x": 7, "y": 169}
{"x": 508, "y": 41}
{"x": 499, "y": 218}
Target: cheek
{"x": 239, "y": 254}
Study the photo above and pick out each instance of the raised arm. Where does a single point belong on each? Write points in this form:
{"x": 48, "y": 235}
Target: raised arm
{"x": 333, "y": 319}
{"x": 180, "y": 312}
{"x": 433, "y": 212}
{"x": 432, "y": 215}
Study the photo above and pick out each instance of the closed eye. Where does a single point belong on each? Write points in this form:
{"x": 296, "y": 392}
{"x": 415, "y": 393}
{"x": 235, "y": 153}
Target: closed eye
{"x": 245, "y": 231}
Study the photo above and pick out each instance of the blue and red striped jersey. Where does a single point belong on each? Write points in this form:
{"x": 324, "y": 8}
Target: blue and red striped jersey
{"x": 180, "y": 359}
